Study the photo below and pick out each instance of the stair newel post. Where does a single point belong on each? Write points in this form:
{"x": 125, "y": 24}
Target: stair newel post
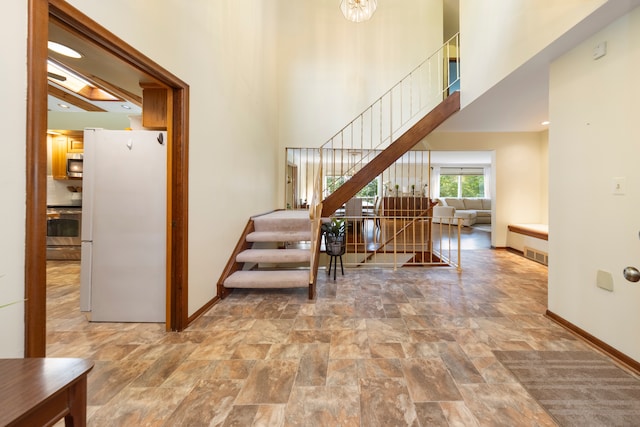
{"x": 315, "y": 215}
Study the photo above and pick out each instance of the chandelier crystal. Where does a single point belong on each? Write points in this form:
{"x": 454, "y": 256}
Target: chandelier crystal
{"x": 358, "y": 10}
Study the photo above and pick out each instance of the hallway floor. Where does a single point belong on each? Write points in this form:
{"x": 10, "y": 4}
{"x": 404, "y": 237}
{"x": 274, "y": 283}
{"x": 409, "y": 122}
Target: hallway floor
{"x": 376, "y": 348}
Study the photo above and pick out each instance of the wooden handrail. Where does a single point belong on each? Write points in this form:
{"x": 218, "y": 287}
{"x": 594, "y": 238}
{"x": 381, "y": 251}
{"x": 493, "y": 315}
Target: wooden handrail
{"x": 315, "y": 214}
{"x": 386, "y": 158}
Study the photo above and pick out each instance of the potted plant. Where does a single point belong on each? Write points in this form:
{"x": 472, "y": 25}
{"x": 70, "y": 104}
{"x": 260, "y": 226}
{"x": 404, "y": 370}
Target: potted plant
{"x": 334, "y": 233}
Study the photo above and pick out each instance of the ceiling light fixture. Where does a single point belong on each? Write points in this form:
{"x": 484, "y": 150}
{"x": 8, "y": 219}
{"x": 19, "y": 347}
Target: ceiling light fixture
{"x": 126, "y": 107}
{"x": 545, "y": 123}
{"x": 63, "y": 50}
{"x": 63, "y": 106}
{"x": 358, "y": 10}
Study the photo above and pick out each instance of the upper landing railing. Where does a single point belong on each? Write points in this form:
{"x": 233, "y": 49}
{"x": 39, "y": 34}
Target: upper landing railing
{"x": 390, "y": 115}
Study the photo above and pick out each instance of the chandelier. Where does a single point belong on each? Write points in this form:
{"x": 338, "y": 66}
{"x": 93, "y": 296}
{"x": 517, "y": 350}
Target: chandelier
{"x": 358, "y": 10}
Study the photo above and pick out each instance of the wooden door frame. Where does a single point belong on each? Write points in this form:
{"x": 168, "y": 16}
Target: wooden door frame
{"x": 39, "y": 13}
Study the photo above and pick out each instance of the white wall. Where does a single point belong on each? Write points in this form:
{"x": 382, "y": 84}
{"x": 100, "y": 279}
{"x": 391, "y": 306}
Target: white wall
{"x": 509, "y": 32}
{"x": 12, "y": 177}
{"x": 595, "y": 136}
{"x": 519, "y": 167}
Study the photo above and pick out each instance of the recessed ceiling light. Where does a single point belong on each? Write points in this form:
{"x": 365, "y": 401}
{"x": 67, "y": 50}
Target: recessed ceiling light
{"x": 63, "y": 106}
{"x": 63, "y": 50}
{"x": 126, "y": 107}
{"x": 545, "y": 123}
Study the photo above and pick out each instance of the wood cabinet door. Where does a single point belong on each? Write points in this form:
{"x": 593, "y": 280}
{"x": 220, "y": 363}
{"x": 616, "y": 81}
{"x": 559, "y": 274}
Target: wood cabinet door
{"x": 59, "y": 157}
{"x": 75, "y": 145}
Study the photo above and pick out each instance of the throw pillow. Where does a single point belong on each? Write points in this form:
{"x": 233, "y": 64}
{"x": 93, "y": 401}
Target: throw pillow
{"x": 473, "y": 203}
{"x": 456, "y": 203}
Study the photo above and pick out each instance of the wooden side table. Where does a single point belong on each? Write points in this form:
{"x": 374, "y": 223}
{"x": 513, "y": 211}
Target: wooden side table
{"x": 40, "y": 391}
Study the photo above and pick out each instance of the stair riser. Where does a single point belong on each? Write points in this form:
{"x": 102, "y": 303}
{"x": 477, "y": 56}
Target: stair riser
{"x": 275, "y": 224}
{"x": 277, "y": 256}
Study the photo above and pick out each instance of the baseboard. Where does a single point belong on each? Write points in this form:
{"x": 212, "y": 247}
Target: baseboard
{"x": 202, "y": 310}
{"x": 620, "y": 357}
{"x": 514, "y": 251}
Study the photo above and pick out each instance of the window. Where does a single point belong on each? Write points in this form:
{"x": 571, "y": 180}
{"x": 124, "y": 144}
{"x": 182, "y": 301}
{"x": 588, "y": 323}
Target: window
{"x": 333, "y": 182}
{"x": 369, "y": 190}
{"x": 462, "y": 182}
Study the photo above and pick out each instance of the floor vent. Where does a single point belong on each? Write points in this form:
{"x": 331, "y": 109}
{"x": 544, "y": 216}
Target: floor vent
{"x": 536, "y": 255}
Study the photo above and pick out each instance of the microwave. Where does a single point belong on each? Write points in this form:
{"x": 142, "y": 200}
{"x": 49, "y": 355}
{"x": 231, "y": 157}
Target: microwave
{"x": 74, "y": 165}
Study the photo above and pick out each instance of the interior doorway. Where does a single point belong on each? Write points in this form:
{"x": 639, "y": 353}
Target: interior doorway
{"x": 40, "y": 13}
{"x": 291, "y": 188}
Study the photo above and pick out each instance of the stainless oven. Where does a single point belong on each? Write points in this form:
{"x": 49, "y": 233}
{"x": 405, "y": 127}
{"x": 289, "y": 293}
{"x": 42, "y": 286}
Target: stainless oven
{"x": 64, "y": 225}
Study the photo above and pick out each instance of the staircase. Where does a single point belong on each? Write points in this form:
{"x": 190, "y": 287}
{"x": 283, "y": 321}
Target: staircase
{"x": 261, "y": 262}
{"x": 257, "y": 261}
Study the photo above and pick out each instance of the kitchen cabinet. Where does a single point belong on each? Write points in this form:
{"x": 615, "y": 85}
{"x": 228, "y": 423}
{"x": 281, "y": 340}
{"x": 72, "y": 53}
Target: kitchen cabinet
{"x": 75, "y": 144}
{"x": 61, "y": 145}
{"x": 406, "y": 206}
{"x": 59, "y": 157}
{"x": 155, "y": 107}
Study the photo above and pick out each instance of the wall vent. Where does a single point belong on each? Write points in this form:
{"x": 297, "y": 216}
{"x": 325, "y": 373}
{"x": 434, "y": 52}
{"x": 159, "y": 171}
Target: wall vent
{"x": 536, "y": 255}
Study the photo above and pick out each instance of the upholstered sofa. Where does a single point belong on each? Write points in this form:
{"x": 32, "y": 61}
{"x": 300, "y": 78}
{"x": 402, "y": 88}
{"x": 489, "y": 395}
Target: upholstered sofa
{"x": 470, "y": 210}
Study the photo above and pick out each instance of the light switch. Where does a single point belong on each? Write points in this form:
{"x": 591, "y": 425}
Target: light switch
{"x": 604, "y": 280}
{"x": 619, "y": 185}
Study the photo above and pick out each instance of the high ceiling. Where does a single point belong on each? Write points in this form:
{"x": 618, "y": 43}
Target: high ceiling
{"x": 518, "y": 103}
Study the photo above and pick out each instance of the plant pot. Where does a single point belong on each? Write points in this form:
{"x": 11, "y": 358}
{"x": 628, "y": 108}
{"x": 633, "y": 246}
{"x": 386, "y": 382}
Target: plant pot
{"x": 334, "y": 245}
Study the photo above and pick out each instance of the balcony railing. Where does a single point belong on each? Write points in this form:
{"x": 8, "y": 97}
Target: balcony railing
{"x": 400, "y": 241}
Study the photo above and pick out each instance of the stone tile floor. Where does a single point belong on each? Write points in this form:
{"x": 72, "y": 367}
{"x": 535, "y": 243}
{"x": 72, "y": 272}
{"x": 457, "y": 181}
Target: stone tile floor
{"x": 377, "y": 347}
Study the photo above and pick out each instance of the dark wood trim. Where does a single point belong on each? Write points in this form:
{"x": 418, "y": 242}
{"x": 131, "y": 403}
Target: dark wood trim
{"x": 233, "y": 266}
{"x": 620, "y": 357}
{"x": 386, "y": 158}
{"x": 203, "y": 309}
{"x": 528, "y": 232}
{"x": 36, "y": 181}
{"x": 179, "y": 211}
{"x": 40, "y": 11}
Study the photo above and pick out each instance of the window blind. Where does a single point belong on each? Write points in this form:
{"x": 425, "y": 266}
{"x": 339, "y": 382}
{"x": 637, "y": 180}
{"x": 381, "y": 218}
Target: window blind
{"x": 461, "y": 171}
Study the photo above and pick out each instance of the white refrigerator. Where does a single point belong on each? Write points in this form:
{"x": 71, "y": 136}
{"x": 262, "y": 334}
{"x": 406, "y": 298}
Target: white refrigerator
{"x": 123, "y": 258}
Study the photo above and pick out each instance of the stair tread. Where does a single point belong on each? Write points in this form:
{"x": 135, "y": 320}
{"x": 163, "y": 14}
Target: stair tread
{"x": 279, "y": 236}
{"x": 283, "y": 221}
{"x": 268, "y": 279}
{"x": 274, "y": 255}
